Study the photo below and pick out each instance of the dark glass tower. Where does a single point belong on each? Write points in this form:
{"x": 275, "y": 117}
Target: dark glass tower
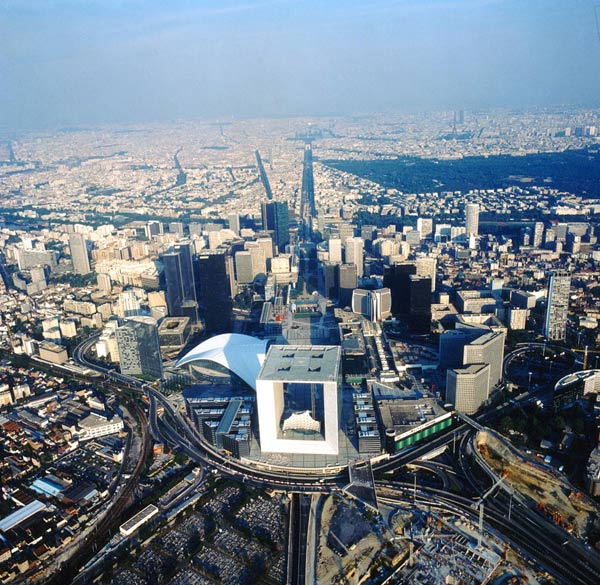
{"x": 396, "y": 278}
{"x": 213, "y": 290}
{"x": 275, "y": 218}
{"x": 411, "y": 300}
{"x": 179, "y": 281}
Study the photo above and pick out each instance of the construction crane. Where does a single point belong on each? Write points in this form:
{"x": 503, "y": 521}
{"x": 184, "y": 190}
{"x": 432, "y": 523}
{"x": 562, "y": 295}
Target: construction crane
{"x": 586, "y": 351}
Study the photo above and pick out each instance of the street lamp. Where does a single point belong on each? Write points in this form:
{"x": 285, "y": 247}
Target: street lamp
{"x": 529, "y": 384}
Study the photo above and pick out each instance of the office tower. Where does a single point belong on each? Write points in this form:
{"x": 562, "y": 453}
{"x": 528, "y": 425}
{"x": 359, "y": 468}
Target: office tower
{"x": 281, "y": 264}
{"x": 382, "y": 304}
{"x": 353, "y": 248}
{"x": 427, "y": 266}
{"x": 335, "y": 250}
{"x": 79, "y": 254}
{"x": 195, "y": 229}
{"x": 153, "y": 228}
{"x": 487, "y": 349}
{"x": 139, "y": 350}
{"x": 213, "y": 281}
{"x": 266, "y": 245}
{"x": 557, "y": 306}
{"x": 297, "y": 398}
{"x": 244, "y": 273}
{"x": 373, "y": 304}
{"x": 329, "y": 279}
{"x": 348, "y": 281}
{"x": 347, "y": 230}
{"x": 104, "y": 282}
{"x": 233, "y": 220}
{"x": 179, "y": 282}
{"x": 275, "y": 217}
{"x": 176, "y": 227}
{"x": 561, "y": 230}
{"x": 127, "y": 305}
{"x": 472, "y": 219}
{"x": 367, "y": 233}
{"x": 538, "y": 234}
{"x": 468, "y": 388}
{"x": 425, "y": 227}
{"x": 396, "y": 278}
{"x": 361, "y": 302}
{"x": 419, "y": 308}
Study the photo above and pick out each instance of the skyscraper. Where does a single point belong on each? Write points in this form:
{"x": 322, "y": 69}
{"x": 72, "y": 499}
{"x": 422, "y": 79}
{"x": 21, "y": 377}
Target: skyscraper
{"x": 214, "y": 292}
{"x": 335, "y": 250}
{"x": 79, "y": 255}
{"x": 427, "y": 266}
{"x": 329, "y": 279}
{"x": 179, "y": 281}
{"x": 472, "y": 219}
{"x": 244, "y": 267}
{"x": 396, "y": 278}
{"x": 348, "y": 282}
{"x": 425, "y": 227}
{"x": 353, "y": 248}
{"x": 275, "y": 217}
{"x": 467, "y": 388}
{"x": 234, "y": 223}
{"x": 557, "y": 307}
{"x": 419, "y": 311}
{"x": 139, "y": 350}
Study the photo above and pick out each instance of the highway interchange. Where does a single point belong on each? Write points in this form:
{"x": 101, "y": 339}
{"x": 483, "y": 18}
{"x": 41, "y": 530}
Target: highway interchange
{"x": 562, "y": 555}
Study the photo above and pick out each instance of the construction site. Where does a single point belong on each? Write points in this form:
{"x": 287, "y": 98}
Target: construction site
{"x": 548, "y": 490}
{"x": 412, "y": 545}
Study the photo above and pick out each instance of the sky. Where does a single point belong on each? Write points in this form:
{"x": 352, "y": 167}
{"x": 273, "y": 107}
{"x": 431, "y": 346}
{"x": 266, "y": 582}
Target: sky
{"x": 88, "y": 62}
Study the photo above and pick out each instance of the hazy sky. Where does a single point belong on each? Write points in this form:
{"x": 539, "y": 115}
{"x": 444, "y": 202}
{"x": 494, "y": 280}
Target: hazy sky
{"x": 78, "y": 62}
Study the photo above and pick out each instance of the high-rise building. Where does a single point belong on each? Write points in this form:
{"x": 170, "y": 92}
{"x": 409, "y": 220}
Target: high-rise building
{"x": 467, "y": 388}
{"x": 335, "y": 250}
{"x": 275, "y": 217}
{"x": 153, "y": 228}
{"x": 382, "y": 304}
{"x": 213, "y": 281}
{"x": 348, "y": 281}
{"x": 472, "y": 219}
{"x": 79, "y": 254}
{"x": 396, "y": 278}
{"x": 329, "y": 279}
{"x": 427, "y": 266}
{"x": 353, "y": 248}
{"x": 234, "y": 223}
{"x": 373, "y": 304}
{"x": 419, "y": 308}
{"x": 297, "y": 395}
{"x": 104, "y": 282}
{"x": 139, "y": 350}
{"x": 127, "y": 305}
{"x": 425, "y": 227}
{"x": 361, "y": 302}
{"x": 176, "y": 227}
{"x": 538, "y": 234}
{"x": 557, "y": 306}
{"x": 244, "y": 267}
{"x": 179, "y": 282}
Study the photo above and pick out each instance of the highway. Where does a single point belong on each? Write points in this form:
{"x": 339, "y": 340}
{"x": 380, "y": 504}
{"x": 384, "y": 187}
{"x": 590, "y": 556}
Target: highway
{"x": 263, "y": 175}
{"x": 307, "y": 193}
{"x": 526, "y": 529}
{"x": 297, "y": 540}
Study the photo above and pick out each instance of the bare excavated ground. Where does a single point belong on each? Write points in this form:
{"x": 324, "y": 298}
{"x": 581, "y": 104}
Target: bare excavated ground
{"x": 550, "y": 490}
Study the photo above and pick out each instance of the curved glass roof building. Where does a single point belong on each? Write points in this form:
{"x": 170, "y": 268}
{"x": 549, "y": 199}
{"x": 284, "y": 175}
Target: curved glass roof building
{"x": 241, "y": 354}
